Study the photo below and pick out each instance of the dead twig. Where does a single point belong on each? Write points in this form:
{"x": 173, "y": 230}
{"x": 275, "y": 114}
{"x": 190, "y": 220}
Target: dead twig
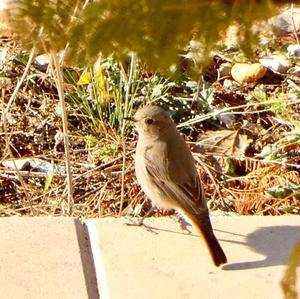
{"x": 128, "y": 89}
{"x": 57, "y": 74}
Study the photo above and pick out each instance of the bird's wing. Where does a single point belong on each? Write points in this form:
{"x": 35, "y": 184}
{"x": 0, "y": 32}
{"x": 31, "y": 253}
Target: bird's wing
{"x": 182, "y": 187}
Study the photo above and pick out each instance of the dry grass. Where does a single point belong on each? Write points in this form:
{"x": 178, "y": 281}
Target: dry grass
{"x": 104, "y": 184}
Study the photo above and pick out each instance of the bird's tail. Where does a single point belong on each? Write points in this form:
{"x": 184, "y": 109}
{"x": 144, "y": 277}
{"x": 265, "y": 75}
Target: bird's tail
{"x": 202, "y": 222}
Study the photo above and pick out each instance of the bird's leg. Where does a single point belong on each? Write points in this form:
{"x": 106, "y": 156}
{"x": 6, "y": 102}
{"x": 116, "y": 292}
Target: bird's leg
{"x": 182, "y": 222}
{"x": 140, "y": 221}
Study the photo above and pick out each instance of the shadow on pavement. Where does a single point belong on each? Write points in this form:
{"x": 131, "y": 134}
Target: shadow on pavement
{"x": 87, "y": 259}
{"x": 274, "y": 242}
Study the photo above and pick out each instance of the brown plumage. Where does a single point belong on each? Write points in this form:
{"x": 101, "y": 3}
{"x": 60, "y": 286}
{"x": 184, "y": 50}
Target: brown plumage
{"x": 167, "y": 174}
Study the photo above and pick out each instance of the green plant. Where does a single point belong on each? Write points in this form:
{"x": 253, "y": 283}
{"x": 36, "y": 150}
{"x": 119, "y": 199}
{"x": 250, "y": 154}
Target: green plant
{"x": 99, "y": 98}
{"x": 155, "y": 30}
{"x": 289, "y": 280}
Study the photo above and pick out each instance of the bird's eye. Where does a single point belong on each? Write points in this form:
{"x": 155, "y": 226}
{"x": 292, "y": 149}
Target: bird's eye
{"x": 149, "y": 121}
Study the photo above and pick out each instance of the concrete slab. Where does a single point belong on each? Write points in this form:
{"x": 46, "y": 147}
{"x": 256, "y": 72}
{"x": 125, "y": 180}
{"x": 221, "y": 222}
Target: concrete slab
{"x": 132, "y": 262}
{"x": 45, "y": 258}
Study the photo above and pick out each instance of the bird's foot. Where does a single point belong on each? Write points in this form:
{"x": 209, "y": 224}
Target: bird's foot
{"x": 139, "y": 222}
{"x": 182, "y": 223}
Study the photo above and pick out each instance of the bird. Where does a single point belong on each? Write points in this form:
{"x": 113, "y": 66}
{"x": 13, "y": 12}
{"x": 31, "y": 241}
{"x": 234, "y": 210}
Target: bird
{"x": 166, "y": 172}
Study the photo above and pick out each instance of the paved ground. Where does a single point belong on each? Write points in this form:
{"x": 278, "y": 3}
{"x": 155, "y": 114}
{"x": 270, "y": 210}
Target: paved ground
{"x": 45, "y": 258}
{"x": 64, "y": 258}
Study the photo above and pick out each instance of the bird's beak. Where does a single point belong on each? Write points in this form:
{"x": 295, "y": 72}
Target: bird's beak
{"x": 130, "y": 118}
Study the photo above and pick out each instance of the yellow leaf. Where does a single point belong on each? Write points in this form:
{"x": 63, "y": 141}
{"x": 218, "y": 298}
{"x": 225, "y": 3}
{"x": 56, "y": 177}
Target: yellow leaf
{"x": 85, "y": 78}
{"x": 247, "y": 73}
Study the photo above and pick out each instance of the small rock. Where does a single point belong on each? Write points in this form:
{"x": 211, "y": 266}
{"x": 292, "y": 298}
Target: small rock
{"x": 34, "y": 164}
{"x": 42, "y": 62}
{"x": 277, "y": 63}
{"x": 247, "y": 73}
{"x": 19, "y": 164}
{"x": 227, "y": 119}
{"x": 286, "y": 22}
{"x": 294, "y": 50}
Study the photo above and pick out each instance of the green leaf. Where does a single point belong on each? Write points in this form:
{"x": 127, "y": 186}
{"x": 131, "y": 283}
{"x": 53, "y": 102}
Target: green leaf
{"x": 291, "y": 210}
{"x": 229, "y": 167}
{"x": 279, "y": 192}
{"x": 156, "y": 30}
{"x": 49, "y": 179}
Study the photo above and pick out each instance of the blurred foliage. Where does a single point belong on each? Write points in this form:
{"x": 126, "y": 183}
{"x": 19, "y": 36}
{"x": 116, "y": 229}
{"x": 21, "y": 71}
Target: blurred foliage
{"x": 289, "y": 280}
{"x": 44, "y": 24}
{"x": 156, "y": 30}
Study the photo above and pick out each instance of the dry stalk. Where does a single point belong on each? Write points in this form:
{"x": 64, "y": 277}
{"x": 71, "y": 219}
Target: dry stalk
{"x": 197, "y": 93}
{"x": 7, "y": 135}
{"x": 252, "y": 196}
{"x": 204, "y": 166}
{"x": 230, "y": 110}
{"x": 294, "y": 25}
{"x": 128, "y": 89}
{"x": 102, "y": 166}
{"x": 260, "y": 162}
{"x": 57, "y": 75}
{"x": 19, "y": 84}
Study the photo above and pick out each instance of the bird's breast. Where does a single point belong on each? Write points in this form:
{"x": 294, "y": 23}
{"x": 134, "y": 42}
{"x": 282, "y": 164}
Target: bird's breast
{"x": 151, "y": 186}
